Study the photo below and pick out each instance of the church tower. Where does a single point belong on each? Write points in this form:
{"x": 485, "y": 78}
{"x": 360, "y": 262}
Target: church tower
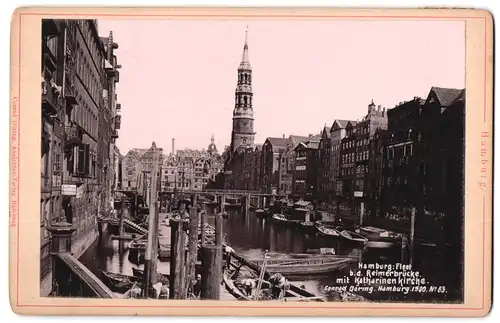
{"x": 242, "y": 133}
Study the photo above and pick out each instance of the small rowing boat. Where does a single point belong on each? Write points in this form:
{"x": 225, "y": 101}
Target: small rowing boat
{"x": 164, "y": 278}
{"x": 380, "y": 238}
{"x": 118, "y": 283}
{"x": 283, "y": 219}
{"x": 328, "y": 231}
{"x": 353, "y": 237}
{"x": 314, "y": 265}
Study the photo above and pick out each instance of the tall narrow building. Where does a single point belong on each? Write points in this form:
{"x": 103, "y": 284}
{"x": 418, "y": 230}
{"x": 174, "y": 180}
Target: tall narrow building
{"x": 243, "y": 133}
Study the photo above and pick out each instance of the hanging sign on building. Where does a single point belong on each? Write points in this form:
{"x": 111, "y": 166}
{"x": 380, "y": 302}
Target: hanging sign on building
{"x": 68, "y": 190}
{"x": 358, "y": 194}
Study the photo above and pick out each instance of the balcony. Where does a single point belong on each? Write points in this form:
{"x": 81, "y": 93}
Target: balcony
{"x": 50, "y": 97}
{"x": 74, "y": 135}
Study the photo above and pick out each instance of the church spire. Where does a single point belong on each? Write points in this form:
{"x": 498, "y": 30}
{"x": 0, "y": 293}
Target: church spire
{"x": 245, "y": 62}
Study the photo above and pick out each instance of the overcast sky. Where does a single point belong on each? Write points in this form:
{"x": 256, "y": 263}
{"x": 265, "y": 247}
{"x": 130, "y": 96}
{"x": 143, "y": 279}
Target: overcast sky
{"x": 178, "y": 77}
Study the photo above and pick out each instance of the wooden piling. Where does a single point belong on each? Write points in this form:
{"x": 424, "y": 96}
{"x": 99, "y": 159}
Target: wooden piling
{"x": 203, "y": 215}
{"x": 192, "y": 243}
{"x": 219, "y": 230}
{"x": 212, "y": 272}
{"x": 177, "y": 259}
{"x": 247, "y": 204}
{"x": 155, "y": 244}
{"x": 362, "y": 214}
{"x": 412, "y": 233}
{"x": 222, "y": 202}
{"x": 122, "y": 218}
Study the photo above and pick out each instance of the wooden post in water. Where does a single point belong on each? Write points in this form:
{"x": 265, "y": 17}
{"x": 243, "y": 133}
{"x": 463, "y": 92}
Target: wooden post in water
{"x": 247, "y": 204}
{"x": 177, "y": 260}
{"x": 219, "y": 230}
{"x": 212, "y": 263}
{"x": 203, "y": 214}
{"x": 122, "y": 218}
{"x": 222, "y": 202}
{"x": 412, "y": 233}
{"x": 362, "y": 214}
{"x": 210, "y": 278}
{"x": 149, "y": 269}
{"x": 193, "y": 243}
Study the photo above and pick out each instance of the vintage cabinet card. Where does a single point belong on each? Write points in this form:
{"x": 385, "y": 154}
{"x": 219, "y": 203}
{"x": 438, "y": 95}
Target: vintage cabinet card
{"x": 305, "y": 162}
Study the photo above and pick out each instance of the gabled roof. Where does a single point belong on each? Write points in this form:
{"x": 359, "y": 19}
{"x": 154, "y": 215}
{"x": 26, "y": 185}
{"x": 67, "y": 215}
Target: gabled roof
{"x": 133, "y": 154}
{"x": 313, "y": 144}
{"x": 446, "y": 96}
{"x": 277, "y": 142}
{"x": 297, "y": 139}
{"x": 140, "y": 151}
{"x": 351, "y": 124}
{"x": 339, "y": 124}
{"x": 310, "y": 144}
{"x": 327, "y": 131}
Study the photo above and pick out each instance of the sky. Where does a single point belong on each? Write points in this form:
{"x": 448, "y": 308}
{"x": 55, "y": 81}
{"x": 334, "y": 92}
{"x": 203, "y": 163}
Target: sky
{"x": 178, "y": 77}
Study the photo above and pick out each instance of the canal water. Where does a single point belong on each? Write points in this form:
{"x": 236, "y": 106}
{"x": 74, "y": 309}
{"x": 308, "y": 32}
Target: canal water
{"x": 250, "y": 236}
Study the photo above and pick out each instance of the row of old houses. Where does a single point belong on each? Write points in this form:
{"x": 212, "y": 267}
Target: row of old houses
{"x": 80, "y": 122}
{"x": 181, "y": 170}
{"x": 378, "y": 167}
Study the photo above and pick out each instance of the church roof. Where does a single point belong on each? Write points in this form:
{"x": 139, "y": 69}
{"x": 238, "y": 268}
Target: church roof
{"x": 245, "y": 61}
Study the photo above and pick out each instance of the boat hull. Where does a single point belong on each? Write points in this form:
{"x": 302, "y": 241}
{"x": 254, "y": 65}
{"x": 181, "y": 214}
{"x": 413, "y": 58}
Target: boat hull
{"x": 353, "y": 239}
{"x": 118, "y": 283}
{"x": 331, "y": 235}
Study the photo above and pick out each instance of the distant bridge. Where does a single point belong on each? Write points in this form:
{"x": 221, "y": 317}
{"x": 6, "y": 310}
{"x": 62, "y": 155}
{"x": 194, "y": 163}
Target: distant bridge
{"x": 207, "y": 191}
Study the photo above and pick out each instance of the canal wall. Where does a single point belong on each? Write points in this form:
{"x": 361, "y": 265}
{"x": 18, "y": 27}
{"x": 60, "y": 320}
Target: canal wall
{"x": 78, "y": 248}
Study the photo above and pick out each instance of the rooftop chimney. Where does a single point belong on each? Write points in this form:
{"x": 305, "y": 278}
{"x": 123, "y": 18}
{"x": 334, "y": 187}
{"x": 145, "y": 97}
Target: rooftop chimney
{"x": 378, "y": 108}
{"x": 283, "y": 136}
{"x": 173, "y": 146}
{"x": 383, "y": 111}
{"x": 311, "y": 135}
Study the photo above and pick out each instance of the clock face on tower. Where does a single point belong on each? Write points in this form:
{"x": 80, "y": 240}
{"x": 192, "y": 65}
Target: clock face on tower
{"x": 245, "y": 122}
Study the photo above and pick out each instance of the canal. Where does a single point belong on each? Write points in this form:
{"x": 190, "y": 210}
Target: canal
{"x": 250, "y": 236}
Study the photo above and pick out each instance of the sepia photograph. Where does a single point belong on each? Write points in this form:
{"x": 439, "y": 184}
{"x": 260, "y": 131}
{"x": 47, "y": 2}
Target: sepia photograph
{"x": 249, "y": 161}
{"x": 204, "y": 161}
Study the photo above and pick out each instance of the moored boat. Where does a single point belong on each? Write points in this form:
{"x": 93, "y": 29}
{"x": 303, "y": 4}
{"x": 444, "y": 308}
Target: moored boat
{"x": 118, "y": 283}
{"x": 353, "y": 237}
{"x": 279, "y": 218}
{"x": 232, "y": 205}
{"x": 164, "y": 278}
{"x": 380, "y": 238}
{"x": 283, "y": 219}
{"x": 328, "y": 231}
{"x": 307, "y": 266}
